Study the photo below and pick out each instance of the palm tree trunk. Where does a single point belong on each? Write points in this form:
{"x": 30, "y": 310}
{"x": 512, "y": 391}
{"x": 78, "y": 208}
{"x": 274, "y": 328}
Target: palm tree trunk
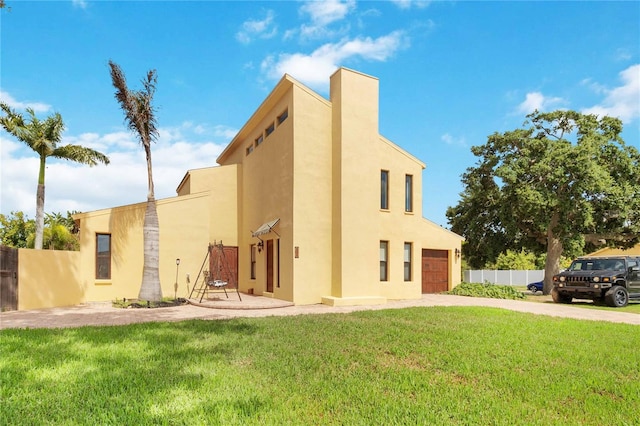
{"x": 151, "y": 193}
{"x": 151, "y": 289}
{"x": 40, "y": 206}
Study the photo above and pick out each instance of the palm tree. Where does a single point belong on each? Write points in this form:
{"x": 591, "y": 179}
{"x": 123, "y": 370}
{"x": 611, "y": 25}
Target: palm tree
{"x": 43, "y": 137}
{"x": 140, "y": 117}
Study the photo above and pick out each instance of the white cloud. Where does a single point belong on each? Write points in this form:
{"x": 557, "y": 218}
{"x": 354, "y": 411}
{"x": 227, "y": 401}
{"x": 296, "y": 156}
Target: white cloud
{"x": 82, "y": 4}
{"x": 594, "y": 86}
{"x": 314, "y": 69}
{"x": 538, "y": 101}
{"x": 622, "y": 101}
{"x": 263, "y": 28}
{"x": 326, "y": 12}
{"x": 450, "y": 140}
{"x": 623, "y": 54}
{"x": 224, "y": 132}
{"x": 322, "y": 14}
{"x": 71, "y": 186}
{"x": 21, "y": 105}
{"x": 408, "y": 4}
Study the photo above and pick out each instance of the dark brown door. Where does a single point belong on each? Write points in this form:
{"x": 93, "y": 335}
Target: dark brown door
{"x": 8, "y": 279}
{"x": 223, "y": 264}
{"x": 269, "y": 266}
{"x": 435, "y": 271}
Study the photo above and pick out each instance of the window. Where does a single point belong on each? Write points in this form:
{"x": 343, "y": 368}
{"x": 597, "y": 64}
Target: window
{"x": 408, "y": 193}
{"x": 103, "y": 256}
{"x": 407, "y": 261}
{"x": 259, "y": 140}
{"x": 249, "y": 149}
{"x": 283, "y": 116}
{"x": 253, "y": 261}
{"x": 270, "y": 129}
{"x": 384, "y": 189}
{"x": 384, "y": 260}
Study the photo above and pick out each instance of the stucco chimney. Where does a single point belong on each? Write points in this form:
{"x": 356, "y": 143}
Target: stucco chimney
{"x": 356, "y": 179}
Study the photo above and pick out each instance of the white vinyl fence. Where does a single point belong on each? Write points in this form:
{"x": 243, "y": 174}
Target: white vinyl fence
{"x": 512, "y": 277}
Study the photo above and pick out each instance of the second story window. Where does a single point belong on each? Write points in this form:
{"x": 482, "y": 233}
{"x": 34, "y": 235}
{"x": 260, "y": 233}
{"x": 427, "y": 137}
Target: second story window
{"x": 270, "y": 129}
{"x": 259, "y": 140}
{"x": 408, "y": 193}
{"x": 283, "y": 116}
{"x": 384, "y": 189}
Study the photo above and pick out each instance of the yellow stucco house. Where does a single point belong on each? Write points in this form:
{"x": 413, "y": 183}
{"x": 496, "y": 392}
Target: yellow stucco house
{"x": 319, "y": 207}
{"x": 609, "y": 251}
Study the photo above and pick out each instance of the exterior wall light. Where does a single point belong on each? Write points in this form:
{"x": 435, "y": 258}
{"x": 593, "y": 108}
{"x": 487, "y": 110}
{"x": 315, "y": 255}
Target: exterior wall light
{"x": 175, "y": 285}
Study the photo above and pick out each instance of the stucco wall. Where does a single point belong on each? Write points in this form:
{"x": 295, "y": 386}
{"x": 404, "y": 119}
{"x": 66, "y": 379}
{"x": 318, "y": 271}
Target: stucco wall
{"x": 184, "y": 234}
{"x": 49, "y": 278}
{"x": 356, "y": 185}
{"x": 312, "y": 192}
{"x": 224, "y": 207}
{"x": 267, "y": 185}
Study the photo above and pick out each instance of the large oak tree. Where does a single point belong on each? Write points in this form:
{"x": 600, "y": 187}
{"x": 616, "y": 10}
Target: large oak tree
{"x": 563, "y": 183}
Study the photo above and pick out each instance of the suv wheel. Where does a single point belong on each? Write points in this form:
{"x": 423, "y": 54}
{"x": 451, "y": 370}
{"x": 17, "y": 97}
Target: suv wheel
{"x": 560, "y": 297}
{"x": 617, "y": 297}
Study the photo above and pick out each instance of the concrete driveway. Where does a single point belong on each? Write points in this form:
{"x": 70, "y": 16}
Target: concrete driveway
{"x": 96, "y": 314}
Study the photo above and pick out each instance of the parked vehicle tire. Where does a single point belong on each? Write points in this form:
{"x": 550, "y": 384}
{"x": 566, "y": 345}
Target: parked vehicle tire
{"x": 533, "y": 289}
{"x": 559, "y": 297}
{"x": 617, "y": 297}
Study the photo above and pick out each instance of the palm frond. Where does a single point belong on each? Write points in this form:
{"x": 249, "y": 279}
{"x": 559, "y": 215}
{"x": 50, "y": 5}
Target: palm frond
{"x": 13, "y": 123}
{"x": 53, "y": 127}
{"x": 40, "y": 136}
{"x": 137, "y": 104}
{"x": 80, "y": 154}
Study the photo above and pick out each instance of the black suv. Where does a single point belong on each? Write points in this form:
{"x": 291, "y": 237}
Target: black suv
{"x": 611, "y": 279}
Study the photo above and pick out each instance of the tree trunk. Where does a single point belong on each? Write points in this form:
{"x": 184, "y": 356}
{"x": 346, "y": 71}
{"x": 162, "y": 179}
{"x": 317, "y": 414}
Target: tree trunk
{"x": 151, "y": 289}
{"x": 39, "y": 217}
{"x": 554, "y": 252}
{"x": 40, "y": 205}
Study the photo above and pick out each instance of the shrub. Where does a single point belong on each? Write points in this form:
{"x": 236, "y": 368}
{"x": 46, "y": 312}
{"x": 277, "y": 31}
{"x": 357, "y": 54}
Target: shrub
{"x": 487, "y": 289}
{"x": 136, "y": 303}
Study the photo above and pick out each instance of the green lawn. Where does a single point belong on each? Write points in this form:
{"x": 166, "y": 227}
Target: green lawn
{"x": 418, "y": 366}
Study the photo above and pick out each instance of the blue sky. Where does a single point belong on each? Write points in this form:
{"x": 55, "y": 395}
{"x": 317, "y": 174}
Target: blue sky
{"x": 451, "y": 73}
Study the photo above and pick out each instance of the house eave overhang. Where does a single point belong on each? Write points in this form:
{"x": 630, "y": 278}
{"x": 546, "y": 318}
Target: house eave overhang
{"x": 285, "y": 83}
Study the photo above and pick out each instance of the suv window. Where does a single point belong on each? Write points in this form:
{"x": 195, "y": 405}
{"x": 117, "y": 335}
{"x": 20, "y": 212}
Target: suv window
{"x": 597, "y": 265}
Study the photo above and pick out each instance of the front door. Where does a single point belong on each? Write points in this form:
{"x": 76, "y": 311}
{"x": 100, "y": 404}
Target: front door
{"x": 269, "y": 266}
{"x": 223, "y": 264}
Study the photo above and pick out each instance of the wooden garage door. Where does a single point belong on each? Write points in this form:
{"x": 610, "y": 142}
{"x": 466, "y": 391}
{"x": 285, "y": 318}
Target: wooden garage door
{"x": 435, "y": 271}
